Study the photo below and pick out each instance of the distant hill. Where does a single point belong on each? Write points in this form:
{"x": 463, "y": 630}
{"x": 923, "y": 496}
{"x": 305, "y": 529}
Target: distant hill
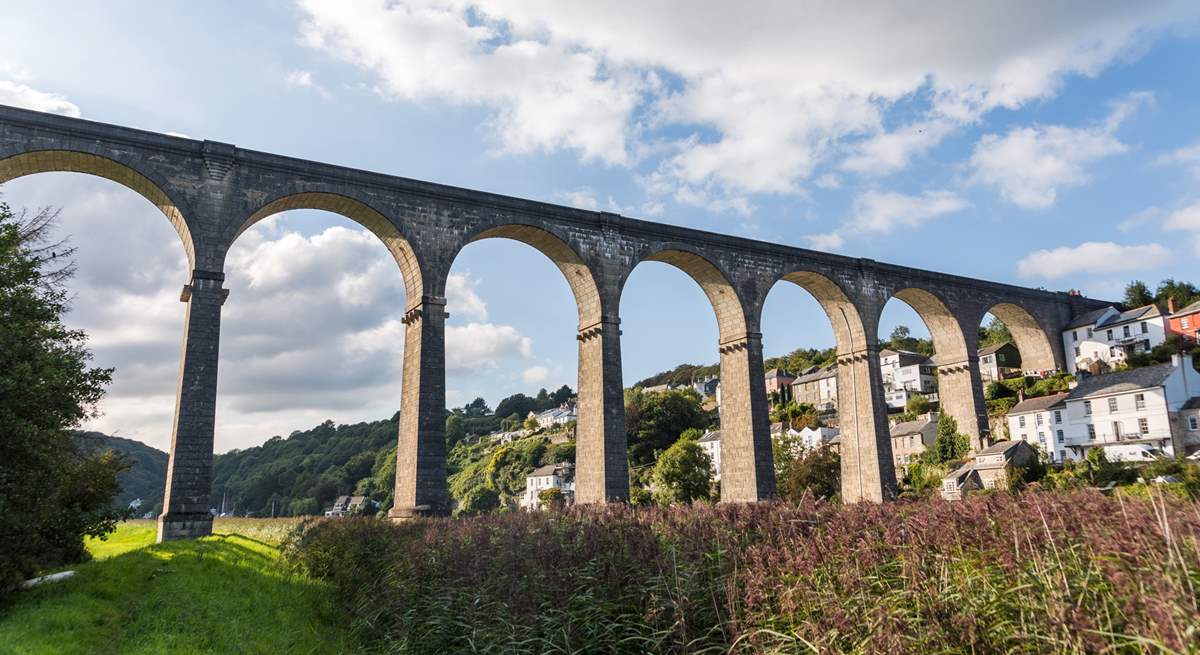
{"x": 146, "y": 478}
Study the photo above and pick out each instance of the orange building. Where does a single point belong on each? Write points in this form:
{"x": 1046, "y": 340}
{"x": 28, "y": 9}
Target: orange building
{"x": 1185, "y": 322}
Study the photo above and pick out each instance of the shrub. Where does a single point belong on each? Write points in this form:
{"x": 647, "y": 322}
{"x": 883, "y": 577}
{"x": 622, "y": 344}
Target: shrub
{"x": 1036, "y": 572}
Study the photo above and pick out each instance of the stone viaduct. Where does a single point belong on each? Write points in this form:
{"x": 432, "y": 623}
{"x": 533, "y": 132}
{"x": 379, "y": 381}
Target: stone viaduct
{"x": 212, "y": 192}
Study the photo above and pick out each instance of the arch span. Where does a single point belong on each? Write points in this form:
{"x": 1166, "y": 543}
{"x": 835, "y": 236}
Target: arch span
{"x": 359, "y": 212}
{"x": 842, "y": 313}
{"x": 71, "y": 161}
{"x": 725, "y": 301}
{"x": 574, "y": 269}
{"x": 949, "y": 342}
{"x": 1028, "y": 336}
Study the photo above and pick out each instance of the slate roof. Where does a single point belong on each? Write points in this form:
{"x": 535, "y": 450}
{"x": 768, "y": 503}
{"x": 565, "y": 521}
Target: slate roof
{"x": 779, "y": 373}
{"x": 819, "y": 374}
{"x": 1190, "y": 309}
{"x": 1088, "y": 318}
{"x": 910, "y": 427}
{"x": 1000, "y": 447}
{"x": 1139, "y": 378}
{"x": 1192, "y": 403}
{"x": 1039, "y": 404}
{"x": 548, "y": 469}
{"x": 1148, "y": 311}
{"x": 711, "y": 435}
{"x": 993, "y": 348}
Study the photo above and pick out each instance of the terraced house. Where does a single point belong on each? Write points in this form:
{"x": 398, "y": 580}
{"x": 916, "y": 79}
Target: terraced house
{"x": 1100, "y": 340}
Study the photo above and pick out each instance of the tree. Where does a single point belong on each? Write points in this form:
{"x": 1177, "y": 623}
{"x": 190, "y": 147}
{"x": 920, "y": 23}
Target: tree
{"x": 552, "y": 498}
{"x": 817, "y": 471}
{"x": 562, "y": 395}
{"x": 949, "y": 444}
{"x": 477, "y": 408}
{"x": 531, "y": 423}
{"x": 52, "y": 491}
{"x": 996, "y": 332}
{"x": 917, "y": 404}
{"x": 518, "y": 404}
{"x": 902, "y": 339}
{"x": 654, "y": 421}
{"x": 682, "y": 473}
{"x": 479, "y": 499}
{"x": 455, "y": 432}
{"x": 1137, "y": 294}
{"x": 1184, "y": 293}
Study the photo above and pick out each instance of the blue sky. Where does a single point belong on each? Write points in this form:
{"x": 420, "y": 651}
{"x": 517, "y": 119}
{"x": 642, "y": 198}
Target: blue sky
{"x": 1050, "y": 146}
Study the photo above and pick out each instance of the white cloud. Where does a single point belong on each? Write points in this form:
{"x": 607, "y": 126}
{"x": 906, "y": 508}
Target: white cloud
{"x": 729, "y": 102}
{"x": 1139, "y": 219}
{"x": 483, "y": 345}
{"x": 21, "y": 95}
{"x": 581, "y": 198}
{"x": 300, "y": 79}
{"x": 1187, "y": 156}
{"x": 1028, "y": 165}
{"x": 891, "y": 152}
{"x": 1186, "y": 219}
{"x": 535, "y": 374}
{"x": 883, "y": 212}
{"x": 462, "y": 299}
{"x": 830, "y": 241}
{"x": 1091, "y": 257}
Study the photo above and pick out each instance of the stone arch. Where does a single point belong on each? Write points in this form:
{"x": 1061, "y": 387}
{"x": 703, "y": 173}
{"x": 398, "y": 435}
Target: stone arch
{"x": 725, "y": 301}
{"x": 1031, "y": 340}
{"x": 949, "y": 342}
{"x": 359, "y": 212}
{"x": 843, "y": 314}
{"x": 574, "y": 269}
{"x": 71, "y": 161}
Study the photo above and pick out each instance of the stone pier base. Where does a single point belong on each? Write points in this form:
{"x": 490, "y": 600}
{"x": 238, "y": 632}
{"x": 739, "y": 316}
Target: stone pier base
{"x": 172, "y": 527}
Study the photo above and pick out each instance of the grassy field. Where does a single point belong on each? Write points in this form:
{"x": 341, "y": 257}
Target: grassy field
{"x": 225, "y": 594}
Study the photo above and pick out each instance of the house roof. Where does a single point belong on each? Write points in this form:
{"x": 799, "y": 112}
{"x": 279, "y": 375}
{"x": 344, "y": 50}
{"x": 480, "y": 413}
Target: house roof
{"x": 993, "y": 348}
{"x": 779, "y": 373}
{"x": 541, "y": 471}
{"x": 1192, "y": 403}
{"x": 1147, "y": 311}
{"x": 711, "y": 435}
{"x": 1088, "y": 318}
{"x": 819, "y": 374}
{"x": 960, "y": 472}
{"x": 1000, "y": 447}
{"x": 1039, "y": 404}
{"x": 1138, "y": 378}
{"x": 1190, "y": 309}
{"x": 911, "y": 427}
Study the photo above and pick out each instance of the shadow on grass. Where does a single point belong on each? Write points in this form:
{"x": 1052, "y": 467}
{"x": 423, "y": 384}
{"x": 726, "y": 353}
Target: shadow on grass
{"x": 224, "y": 594}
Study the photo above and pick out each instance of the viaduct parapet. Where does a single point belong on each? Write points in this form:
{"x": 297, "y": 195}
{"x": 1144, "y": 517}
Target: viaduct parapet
{"x": 211, "y": 192}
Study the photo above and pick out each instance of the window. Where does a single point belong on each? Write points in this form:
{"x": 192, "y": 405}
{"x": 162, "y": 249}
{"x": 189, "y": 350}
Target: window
{"x": 1091, "y": 432}
{"x": 1183, "y": 322}
{"x": 1020, "y": 421}
{"x": 1112, "y": 351}
{"x": 1145, "y": 328}
{"x": 1042, "y": 439}
{"x": 1058, "y": 416}
{"x": 1108, "y": 334}
{"x": 1077, "y": 353}
{"x": 1193, "y": 423}
{"x": 1062, "y": 454}
{"x": 1039, "y": 419}
{"x": 1089, "y": 333}
{"x": 1074, "y": 335}
{"x": 1143, "y": 426}
{"x": 1116, "y": 427}
{"x": 1087, "y": 408}
{"x": 1139, "y": 401}
{"x": 1112, "y": 405}
{"x": 1059, "y": 435}
{"x": 1125, "y": 331}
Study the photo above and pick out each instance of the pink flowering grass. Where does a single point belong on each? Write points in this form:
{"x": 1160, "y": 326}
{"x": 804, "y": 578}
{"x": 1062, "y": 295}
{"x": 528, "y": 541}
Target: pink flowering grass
{"x": 1031, "y": 573}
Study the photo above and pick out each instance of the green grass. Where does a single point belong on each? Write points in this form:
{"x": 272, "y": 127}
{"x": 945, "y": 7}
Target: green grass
{"x": 224, "y": 594}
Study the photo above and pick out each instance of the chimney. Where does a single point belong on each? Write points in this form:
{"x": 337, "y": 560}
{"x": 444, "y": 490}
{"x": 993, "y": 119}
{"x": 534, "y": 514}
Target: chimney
{"x": 1020, "y": 395}
{"x": 1170, "y": 304}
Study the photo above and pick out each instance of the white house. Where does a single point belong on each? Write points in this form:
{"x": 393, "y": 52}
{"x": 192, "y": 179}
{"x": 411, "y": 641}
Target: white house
{"x": 711, "y": 443}
{"x": 905, "y": 373}
{"x": 1041, "y": 422}
{"x": 556, "y": 416}
{"x": 1105, "y": 337}
{"x": 813, "y": 438}
{"x": 551, "y": 476}
{"x": 999, "y": 361}
{"x": 1135, "y": 414}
